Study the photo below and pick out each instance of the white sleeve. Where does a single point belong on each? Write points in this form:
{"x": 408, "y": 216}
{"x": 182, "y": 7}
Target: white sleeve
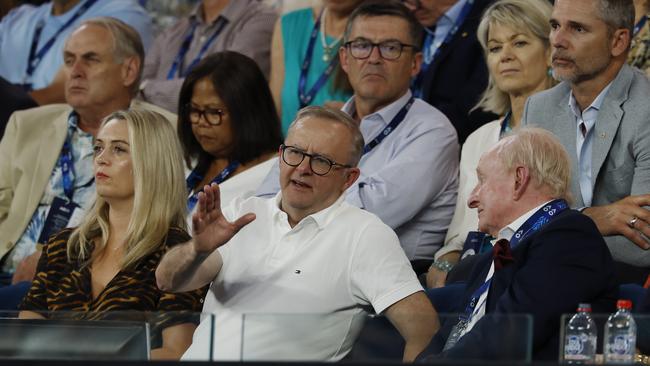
{"x": 380, "y": 273}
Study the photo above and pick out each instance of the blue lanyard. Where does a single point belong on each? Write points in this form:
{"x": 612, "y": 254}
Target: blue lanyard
{"x": 66, "y": 161}
{"x": 505, "y": 125}
{"x": 639, "y": 25}
{"x": 185, "y": 47}
{"x": 429, "y": 56}
{"x": 35, "y": 57}
{"x": 197, "y": 175}
{"x": 399, "y": 117}
{"x": 305, "y": 98}
{"x": 534, "y": 223}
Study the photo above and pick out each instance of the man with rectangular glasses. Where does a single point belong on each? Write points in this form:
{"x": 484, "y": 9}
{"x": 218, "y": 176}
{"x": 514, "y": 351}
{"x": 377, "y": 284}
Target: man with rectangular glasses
{"x": 293, "y": 276}
{"x": 409, "y": 166}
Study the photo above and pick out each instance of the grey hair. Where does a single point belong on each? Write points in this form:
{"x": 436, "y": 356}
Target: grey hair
{"x": 528, "y": 16}
{"x": 617, "y": 14}
{"x": 336, "y": 116}
{"x": 544, "y": 156}
{"x": 126, "y": 43}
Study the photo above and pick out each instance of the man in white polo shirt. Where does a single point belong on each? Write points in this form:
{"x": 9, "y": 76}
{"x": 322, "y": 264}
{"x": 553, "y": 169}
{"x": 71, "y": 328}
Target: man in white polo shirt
{"x": 292, "y": 276}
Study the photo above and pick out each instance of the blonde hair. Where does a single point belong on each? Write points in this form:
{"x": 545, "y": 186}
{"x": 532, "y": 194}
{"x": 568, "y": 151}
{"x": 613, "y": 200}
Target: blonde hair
{"x": 543, "y": 154}
{"x": 528, "y": 16}
{"x": 160, "y": 199}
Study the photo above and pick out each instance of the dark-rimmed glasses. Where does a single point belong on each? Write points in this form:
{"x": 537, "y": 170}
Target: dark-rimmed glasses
{"x": 388, "y": 50}
{"x": 211, "y": 115}
{"x": 320, "y": 165}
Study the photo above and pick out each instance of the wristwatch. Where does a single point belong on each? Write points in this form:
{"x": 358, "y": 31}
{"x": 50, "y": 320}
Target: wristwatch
{"x": 442, "y": 265}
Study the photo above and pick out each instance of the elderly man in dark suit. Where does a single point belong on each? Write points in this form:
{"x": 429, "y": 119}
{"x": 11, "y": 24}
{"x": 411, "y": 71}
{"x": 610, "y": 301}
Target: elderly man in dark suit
{"x": 600, "y": 113}
{"x": 547, "y": 258}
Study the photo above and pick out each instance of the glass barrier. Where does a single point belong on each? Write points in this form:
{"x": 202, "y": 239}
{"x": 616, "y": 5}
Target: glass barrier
{"x": 570, "y": 344}
{"x": 68, "y": 335}
{"x": 350, "y": 336}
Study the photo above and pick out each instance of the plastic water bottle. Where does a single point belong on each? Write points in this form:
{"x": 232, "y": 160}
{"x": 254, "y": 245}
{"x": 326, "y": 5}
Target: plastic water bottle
{"x": 580, "y": 337}
{"x": 620, "y": 335}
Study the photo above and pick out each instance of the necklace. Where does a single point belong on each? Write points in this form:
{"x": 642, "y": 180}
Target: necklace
{"x": 328, "y": 49}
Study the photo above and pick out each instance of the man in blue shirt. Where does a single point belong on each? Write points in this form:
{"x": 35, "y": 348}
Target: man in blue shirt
{"x": 409, "y": 170}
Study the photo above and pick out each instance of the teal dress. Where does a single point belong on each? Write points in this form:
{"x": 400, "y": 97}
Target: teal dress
{"x": 296, "y": 29}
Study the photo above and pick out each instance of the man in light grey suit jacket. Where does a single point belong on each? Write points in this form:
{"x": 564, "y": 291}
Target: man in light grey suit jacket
{"x": 601, "y": 114}
{"x": 103, "y": 59}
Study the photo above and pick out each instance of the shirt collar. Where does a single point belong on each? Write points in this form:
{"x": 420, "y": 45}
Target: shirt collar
{"x": 322, "y": 218}
{"x": 596, "y": 104}
{"x": 453, "y": 13}
{"x": 385, "y": 114}
{"x": 233, "y": 10}
{"x": 509, "y": 230}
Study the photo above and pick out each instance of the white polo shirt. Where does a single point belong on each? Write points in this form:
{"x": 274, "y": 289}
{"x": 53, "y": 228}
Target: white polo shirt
{"x": 303, "y": 291}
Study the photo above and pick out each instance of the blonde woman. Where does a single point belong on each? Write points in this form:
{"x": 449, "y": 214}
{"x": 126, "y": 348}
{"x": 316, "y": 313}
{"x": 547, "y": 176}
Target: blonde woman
{"x": 107, "y": 264}
{"x": 514, "y": 37}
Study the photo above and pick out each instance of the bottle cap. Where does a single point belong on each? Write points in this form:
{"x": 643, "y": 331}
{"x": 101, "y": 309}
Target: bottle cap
{"x": 584, "y": 307}
{"x": 624, "y": 304}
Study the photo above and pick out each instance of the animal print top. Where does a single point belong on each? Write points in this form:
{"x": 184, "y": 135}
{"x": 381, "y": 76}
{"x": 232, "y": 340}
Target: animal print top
{"x": 62, "y": 286}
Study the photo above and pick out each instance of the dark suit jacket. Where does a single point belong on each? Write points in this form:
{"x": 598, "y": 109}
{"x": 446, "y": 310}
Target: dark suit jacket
{"x": 458, "y": 76}
{"x": 13, "y": 98}
{"x": 554, "y": 269}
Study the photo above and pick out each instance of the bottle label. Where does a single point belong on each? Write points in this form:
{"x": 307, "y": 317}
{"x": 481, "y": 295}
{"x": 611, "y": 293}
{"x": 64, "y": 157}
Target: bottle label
{"x": 574, "y": 348}
{"x": 620, "y": 348}
{"x": 620, "y": 345}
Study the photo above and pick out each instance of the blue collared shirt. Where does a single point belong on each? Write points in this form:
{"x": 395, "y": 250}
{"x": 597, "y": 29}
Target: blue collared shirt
{"x": 584, "y": 143}
{"x": 17, "y": 31}
{"x": 443, "y": 26}
{"x": 409, "y": 180}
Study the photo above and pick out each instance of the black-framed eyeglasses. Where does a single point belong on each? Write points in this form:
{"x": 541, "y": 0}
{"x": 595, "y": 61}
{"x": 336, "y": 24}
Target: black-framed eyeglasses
{"x": 320, "y": 165}
{"x": 212, "y": 116}
{"x": 388, "y": 50}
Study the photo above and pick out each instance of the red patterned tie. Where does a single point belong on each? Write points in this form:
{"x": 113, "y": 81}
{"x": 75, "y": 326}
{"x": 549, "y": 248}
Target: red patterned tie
{"x": 501, "y": 254}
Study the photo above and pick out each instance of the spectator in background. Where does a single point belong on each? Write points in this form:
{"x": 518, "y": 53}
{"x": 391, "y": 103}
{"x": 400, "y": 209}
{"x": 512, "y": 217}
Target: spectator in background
{"x": 244, "y": 26}
{"x": 514, "y": 38}
{"x": 453, "y": 71}
{"x": 600, "y": 114}
{"x": 304, "y": 64}
{"x": 228, "y": 126}
{"x": 409, "y": 169}
{"x": 107, "y": 263}
{"x": 46, "y": 178}
{"x": 32, "y": 40}
{"x": 639, "y": 55}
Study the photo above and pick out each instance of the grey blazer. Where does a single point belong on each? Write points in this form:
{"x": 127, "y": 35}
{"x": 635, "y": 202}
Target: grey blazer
{"x": 621, "y": 146}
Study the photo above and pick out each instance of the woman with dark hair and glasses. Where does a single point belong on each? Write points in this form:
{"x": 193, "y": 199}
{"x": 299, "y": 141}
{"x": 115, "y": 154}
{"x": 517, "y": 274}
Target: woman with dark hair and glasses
{"x": 227, "y": 124}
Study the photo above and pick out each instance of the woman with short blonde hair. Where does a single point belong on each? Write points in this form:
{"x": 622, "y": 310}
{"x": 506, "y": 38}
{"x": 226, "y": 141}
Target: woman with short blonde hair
{"x": 514, "y": 37}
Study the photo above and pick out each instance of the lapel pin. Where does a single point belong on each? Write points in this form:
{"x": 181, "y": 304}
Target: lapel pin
{"x": 603, "y": 135}
{"x": 464, "y": 34}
